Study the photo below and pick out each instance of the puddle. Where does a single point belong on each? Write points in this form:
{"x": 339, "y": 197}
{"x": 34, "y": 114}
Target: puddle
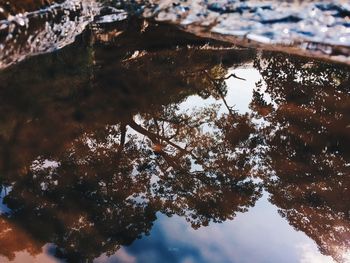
{"x": 142, "y": 142}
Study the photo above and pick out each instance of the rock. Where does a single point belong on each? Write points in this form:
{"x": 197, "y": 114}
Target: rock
{"x": 312, "y": 28}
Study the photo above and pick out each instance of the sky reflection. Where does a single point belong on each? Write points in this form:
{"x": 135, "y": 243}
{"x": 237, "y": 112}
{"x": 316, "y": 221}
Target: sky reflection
{"x": 163, "y": 157}
{"x": 261, "y": 235}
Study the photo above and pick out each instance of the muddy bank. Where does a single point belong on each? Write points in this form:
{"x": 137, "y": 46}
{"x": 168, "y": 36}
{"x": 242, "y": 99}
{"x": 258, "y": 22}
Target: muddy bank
{"x": 31, "y": 27}
{"x": 310, "y": 28}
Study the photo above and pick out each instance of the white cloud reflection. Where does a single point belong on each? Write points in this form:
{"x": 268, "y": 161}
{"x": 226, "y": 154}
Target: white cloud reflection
{"x": 261, "y": 236}
{"x": 308, "y": 255}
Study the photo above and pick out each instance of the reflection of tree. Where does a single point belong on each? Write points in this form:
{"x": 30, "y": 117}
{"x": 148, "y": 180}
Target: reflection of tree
{"x": 90, "y": 165}
{"x": 308, "y": 139}
{"x": 87, "y": 204}
{"x": 92, "y": 159}
{"x": 200, "y": 174}
{"x": 95, "y": 143}
{"x": 13, "y": 239}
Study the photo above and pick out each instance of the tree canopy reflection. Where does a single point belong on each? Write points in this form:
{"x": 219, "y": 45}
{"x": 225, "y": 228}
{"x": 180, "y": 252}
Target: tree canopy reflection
{"x": 96, "y": 142}
{"x": 91, "y": 161}
{"x": 308, "y": 151}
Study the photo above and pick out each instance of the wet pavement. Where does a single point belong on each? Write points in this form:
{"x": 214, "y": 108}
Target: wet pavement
{"x": 141, "y": 142}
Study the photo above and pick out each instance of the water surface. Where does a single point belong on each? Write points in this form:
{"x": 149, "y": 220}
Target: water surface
{"x": 140, "y": 142}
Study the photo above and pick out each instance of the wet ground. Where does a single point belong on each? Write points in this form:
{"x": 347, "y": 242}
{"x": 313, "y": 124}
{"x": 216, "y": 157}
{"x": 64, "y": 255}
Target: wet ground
{"x": 309, "y": 28}
{"x": 138, "y": 141}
